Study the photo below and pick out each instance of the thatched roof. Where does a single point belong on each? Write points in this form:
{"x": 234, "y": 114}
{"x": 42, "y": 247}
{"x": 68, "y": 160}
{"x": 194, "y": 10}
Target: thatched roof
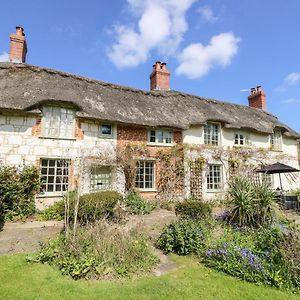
{"x": 25, "y": 87}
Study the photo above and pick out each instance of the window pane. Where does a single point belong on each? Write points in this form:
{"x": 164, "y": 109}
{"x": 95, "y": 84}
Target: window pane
{"x": 106, "y": 129}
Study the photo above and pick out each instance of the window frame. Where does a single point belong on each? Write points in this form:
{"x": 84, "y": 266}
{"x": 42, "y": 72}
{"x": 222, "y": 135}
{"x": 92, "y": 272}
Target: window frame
{"x": 208, "y": 136}
{"x": 103, "y": 135}
{"x": 276, "y": 140}
{"x": 221, "y": 183}
{"x": 145, "y": 189}
{"x": 163, "y": 131}
{"x": 54, "y": 192}
{"x": 59, "y": 128}
{"x": 246, "y": 139}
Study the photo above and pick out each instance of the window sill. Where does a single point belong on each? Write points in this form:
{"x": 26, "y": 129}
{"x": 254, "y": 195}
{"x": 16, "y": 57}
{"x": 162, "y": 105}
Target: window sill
{"x": 275, "y": 150}
{"x": 147, "y": 190}
{"x": 57, "y": 138}
{"x": 160, "y": 144}
{"x": 214, "y": 191}
{"x": 49, "y": 195}
{"x": 106, "y": 137}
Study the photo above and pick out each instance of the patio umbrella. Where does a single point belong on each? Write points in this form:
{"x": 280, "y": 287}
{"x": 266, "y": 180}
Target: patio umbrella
{"x": 277, "y": 168}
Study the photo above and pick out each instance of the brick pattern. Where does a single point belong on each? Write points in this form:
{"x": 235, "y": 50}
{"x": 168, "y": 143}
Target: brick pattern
{"x": 257, "y": 99}
{"x": 160, "y": 77}
{"x": 18, "y": 46}
{"x": 37, "y": 128}
{"x": 139, "y": 135}
{"x": 79, "y": 133}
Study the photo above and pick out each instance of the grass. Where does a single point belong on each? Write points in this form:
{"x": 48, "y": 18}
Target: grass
{"x": 22, "y": 280}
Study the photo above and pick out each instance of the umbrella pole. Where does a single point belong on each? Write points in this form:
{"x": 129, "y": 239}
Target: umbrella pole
{"x": 280, "y": 183}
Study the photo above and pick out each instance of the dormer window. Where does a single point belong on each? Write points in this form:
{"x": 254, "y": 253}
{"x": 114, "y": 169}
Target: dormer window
{"x": 212, "y": 134}
{"x": 241, "y": 139}
{"x": 58, "y": 122}
{"x": 276, "y": 140}
{"x": 160, "y": 136}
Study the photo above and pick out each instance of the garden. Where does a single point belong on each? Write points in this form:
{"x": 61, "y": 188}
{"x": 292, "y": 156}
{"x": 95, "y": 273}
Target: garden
{"x": 246, "y": 236}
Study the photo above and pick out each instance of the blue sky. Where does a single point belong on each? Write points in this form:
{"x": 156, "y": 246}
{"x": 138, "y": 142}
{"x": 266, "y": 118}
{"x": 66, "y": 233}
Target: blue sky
{"x": 213, "y": 48}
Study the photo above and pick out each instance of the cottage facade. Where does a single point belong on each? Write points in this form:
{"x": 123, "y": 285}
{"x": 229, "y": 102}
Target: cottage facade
{"x": 77, "y": 131}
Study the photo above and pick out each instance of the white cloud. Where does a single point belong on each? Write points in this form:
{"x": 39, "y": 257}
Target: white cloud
{"x": 4, "y": 57}
{"x": 207, "y": 14}
{"x": 161, "y": 25}
{"x": 291, "y": 101}
{"x": 292, "y": 79}
{"x": 196, "y": 60}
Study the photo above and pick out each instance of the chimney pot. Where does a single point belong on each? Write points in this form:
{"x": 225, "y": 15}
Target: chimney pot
{"x": 160, "y": 77}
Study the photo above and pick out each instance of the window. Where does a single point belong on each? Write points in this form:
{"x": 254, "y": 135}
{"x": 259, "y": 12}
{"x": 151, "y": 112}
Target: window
{"x": 161, "y": 136}
{"x": 214, "y": 178}
{"x": 267, "y": 179}
{"x": 241, "y": 139}
{"x": 276, "y": 140}
{"x": 59, "y": 122}
{"x": 211, "y": 134}
{"x": 100, "y": 179}
{"x": 55, "y": 175}
{"x": 106, "y": 130}
{"x": 145, "y": 178}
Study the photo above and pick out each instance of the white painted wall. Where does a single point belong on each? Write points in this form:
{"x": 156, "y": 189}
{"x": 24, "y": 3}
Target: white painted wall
{"x": 289, "y": 155}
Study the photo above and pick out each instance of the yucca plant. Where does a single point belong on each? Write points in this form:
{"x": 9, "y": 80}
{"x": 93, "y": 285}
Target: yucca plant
{"x": 266, "y": 204}
{"x": 242, "y": 201}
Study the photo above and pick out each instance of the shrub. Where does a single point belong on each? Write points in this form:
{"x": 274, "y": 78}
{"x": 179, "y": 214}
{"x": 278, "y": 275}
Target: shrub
{"x": 184, "y": 237}
{"x": 54, "y": 212}
{"x": 242, "y": 201}
{"x": 193, "y": 209}
{"x": 94, "y": 206}
{"x": 137, "y": 205}
{"x": 98, "y": 251}
{"x": 251, "y": 205}
{"x": 17, "y": 190}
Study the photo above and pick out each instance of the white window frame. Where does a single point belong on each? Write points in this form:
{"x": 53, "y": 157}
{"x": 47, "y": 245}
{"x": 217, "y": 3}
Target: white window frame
{"x": 100, "y": 181}
{"x": 276, "y": 140}
{"x": 58, "y": 179}
{"x": 47, "y": 123}
{"x": 241, "y": 138}
{"x": 137, "y": 178}
{"x": 211, "y": 137}
{"x": 104, "y": 135}
{"x": 166, "y": 134}
{"x": 220, "y": 183}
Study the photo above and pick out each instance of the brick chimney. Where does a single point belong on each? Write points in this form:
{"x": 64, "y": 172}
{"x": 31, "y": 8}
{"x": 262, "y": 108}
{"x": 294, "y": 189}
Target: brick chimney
{"x": 257, "y": 98}
{"x": 160, "y": 77}
{"x": 18, "y": 46}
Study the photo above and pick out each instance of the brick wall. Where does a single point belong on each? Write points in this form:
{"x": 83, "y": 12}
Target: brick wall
{"x": 139, "y": 135}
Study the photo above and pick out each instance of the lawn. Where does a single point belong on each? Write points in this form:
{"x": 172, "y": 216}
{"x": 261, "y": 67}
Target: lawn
{"x": 22, "y": 280}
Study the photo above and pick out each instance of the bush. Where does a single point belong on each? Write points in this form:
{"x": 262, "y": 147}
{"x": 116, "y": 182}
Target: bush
{"x": 17, "y": 190}
{"x": 193, "y": 209}
{"x": 137, "y": 205}
{"x": 98, "y": 251}
{"x": 184, "y": 237}
{"x": 94, "y": 206}
{"x": 54, "y": 212}
{"x": 251, "y": 205}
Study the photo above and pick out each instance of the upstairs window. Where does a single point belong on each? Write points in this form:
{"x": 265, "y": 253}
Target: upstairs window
{"x": 58, "y": 122}
{"x": 160, "y": 136}
{"x": 241, "y": 139}
{"x": 106, "y": 130}
{"x": 211, "y": 134}
{"x": 276, "y": 140}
